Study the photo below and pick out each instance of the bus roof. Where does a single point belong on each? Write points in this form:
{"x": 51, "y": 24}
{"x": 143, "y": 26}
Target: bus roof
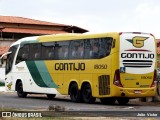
{"x": 24, "y": 39}
{"x": 61, "y": 37}
{"x": 68, "y": 36}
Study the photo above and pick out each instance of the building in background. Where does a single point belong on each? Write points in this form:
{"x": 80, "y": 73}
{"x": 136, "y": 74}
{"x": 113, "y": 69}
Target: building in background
{"x": 13, "y": 28}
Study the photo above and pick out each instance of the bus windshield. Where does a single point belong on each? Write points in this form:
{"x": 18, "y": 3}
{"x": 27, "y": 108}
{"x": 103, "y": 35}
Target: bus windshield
{"x": 10, "y": 58}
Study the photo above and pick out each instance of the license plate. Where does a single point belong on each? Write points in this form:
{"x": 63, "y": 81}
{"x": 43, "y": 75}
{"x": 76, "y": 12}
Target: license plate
{"x": 137, "y": 91}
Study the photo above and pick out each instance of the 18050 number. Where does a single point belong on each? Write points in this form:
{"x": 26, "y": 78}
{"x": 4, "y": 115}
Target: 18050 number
{"x": 100, "y": 66}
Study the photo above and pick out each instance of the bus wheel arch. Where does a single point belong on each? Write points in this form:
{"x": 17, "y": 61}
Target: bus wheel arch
{"x": 87, "y": 93}
{"x": 74, "y": 92}
{"x": 19, "y": 89}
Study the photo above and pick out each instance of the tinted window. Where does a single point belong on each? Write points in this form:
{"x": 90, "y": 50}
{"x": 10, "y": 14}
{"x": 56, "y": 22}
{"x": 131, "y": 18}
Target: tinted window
{"x": 35, "y": 53}
{"x": 48, "y": 52}
{"x": 61, "y": 50}
{"x": 94, "y": 48}
{"x": 105, "y": 47}
{"x": 76, "y": 49}
{"x": 87, "y": 49}
{"x": 97, "y": 48}
{"x": 23, "y": 53}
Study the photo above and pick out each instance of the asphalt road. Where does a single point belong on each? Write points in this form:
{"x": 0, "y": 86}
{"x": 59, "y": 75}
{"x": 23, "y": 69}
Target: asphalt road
{"x": 41, "y": 103}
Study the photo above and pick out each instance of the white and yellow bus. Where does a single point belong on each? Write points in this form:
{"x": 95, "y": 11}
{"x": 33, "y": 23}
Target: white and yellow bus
{"x": 108, "y": 66}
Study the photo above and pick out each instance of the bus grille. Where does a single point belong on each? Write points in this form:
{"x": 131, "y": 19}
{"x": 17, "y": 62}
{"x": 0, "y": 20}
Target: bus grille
{"x": 137, "y": 63}
{"x": 104, "y": 85}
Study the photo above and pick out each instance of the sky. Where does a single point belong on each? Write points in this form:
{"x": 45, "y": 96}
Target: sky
{"x": 97, "y": 16}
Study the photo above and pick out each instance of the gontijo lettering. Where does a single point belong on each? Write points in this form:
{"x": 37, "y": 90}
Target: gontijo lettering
{"x": 137, "y": 55}
{"x": 70, "y": 66}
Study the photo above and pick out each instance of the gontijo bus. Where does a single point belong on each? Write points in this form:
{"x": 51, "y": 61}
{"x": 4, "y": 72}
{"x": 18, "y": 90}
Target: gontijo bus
{"x": 108, "y": 66}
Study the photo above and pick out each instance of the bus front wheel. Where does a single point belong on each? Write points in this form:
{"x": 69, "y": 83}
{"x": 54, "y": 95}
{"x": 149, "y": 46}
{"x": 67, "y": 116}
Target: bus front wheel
{"x": 87, "y": 94}
{"x": 20, "y": 91}
{"x": 123, "y": 101}
{"x": 75, "y": 94}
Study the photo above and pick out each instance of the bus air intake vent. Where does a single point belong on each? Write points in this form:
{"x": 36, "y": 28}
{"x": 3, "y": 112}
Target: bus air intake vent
{"x": 104, "y": 85}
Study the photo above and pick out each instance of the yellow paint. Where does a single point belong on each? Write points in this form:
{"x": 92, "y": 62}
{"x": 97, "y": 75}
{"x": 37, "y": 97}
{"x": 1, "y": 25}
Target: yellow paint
{"x": 139, "y": 41}
{"x": 90, "y": 75}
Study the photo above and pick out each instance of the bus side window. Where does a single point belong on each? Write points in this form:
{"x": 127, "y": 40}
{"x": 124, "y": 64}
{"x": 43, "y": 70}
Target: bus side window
{"x": 36, "y": 51}
{"x": 23, "y": 53}
{"x": 95, "y": 48}
{"x": 50, "y": 55}
{"x": 81, "y": 50}
{"x": 87, "y": 49}
{"x": 24, "y": 56}
{"x": 72, "y": 50}
{"x": 37, "y": 55}
{"x": 105, "y": 47}
{"x": 48, "y": 49}
{"x": 65, "y": 52}
{"x": 61, "y": 50}
{"x": 60, "y": 53}
{"x": 76, "y": 49}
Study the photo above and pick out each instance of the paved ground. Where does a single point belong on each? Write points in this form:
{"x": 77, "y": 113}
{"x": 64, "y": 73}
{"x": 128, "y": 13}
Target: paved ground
{"x": 9, "y": 100}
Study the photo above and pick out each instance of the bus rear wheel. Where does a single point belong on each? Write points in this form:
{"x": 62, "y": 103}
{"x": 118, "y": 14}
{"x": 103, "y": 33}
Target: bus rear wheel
{"x": 108, "y": 101}
{"x": 123, "y": 100}
{"x": 51, "y": 96}
{"x": 87, "y": 94}
{"x": 20, "y": 91}
{"x": 75, "y": 94}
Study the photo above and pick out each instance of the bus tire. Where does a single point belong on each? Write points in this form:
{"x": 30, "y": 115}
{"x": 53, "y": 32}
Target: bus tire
{"x": 109, "y": 100}
{"x": 75, "y": 94}
{"x": 87, "y": 94}
{"x": 20, "y": 92}
{"x": 123, "y": 100}
{"x": 51, "y": 96}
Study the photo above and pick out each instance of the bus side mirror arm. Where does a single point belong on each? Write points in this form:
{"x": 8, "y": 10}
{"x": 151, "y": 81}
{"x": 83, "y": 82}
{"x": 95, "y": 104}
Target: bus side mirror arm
{"x": 1, "y": 61}
{"x": 2, "y": 57}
